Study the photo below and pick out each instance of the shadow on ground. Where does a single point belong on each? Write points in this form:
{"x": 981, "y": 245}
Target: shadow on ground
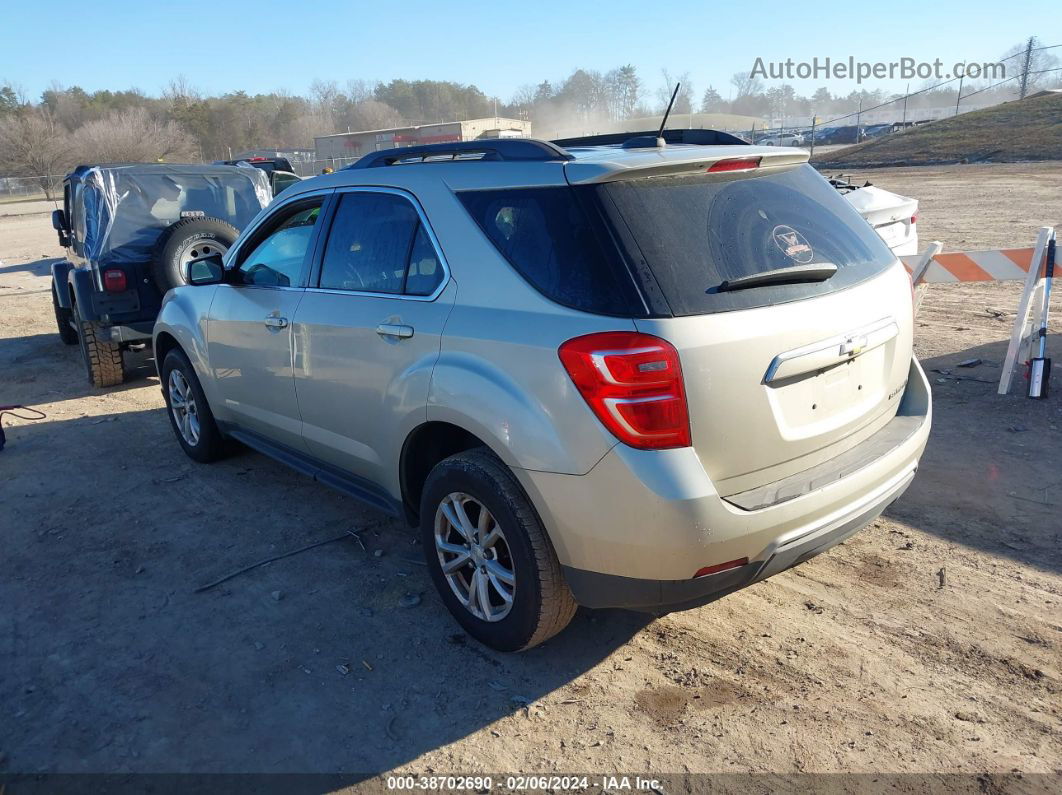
{"x": 40, "y": 267}
{"x": 25, "y": 363}
{"x": 991, "y": 476}
{"x": 110, "y": 656}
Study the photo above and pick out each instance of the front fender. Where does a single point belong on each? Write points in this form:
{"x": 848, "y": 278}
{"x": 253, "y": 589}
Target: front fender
{"x": 184, "y": 317}
{"x": 548, "y": 429}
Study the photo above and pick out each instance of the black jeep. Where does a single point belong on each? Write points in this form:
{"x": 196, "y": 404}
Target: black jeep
{"x": 128, "y": 230}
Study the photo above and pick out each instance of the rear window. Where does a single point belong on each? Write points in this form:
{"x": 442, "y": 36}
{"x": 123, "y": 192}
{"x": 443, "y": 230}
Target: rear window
{"x": 694, "y": 232}
{"x": 557, "y": 243}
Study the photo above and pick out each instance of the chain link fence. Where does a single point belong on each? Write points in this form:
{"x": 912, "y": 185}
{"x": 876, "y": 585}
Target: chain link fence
{"x": 15, "y": 189}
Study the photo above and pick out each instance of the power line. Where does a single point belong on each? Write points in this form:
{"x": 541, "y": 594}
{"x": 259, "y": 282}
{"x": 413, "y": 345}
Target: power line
{"x": 944, "y": 83}
{"x": 1008, "y": 79}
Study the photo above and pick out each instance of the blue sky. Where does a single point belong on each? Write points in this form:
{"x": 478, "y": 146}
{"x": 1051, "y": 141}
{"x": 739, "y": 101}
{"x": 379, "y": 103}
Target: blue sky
{"x": 226, "y": 45}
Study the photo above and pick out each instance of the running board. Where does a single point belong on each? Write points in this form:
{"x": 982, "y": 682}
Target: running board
{"x": 353, "y": 486}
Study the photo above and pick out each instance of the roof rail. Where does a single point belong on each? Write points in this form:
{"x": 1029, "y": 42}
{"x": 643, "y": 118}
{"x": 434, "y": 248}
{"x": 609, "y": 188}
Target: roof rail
{"x": 684, "y": 136}
{"x": 510, "y": 149}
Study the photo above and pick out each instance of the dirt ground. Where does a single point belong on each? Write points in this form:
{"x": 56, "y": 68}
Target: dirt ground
{"x": 929, "y": 642}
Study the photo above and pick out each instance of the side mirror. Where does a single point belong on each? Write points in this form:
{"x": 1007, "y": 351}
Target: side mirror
{"x": 207, "y": 270}
{"x": 59, "y": 225}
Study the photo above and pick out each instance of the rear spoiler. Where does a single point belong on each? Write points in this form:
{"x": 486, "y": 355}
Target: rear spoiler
{"x": 638, "y": 163}
{"x": 696, "y": 137}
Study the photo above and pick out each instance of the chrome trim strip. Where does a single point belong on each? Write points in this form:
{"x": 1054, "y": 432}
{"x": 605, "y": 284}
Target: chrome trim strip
{"x": 837, "y": 342}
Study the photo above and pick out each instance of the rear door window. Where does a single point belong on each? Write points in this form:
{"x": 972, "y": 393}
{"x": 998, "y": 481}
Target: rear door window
{"x": 694, "y": 232}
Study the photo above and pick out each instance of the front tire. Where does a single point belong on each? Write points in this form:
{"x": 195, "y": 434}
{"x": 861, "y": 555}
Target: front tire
{"x": 103, "y": 360}
{"x": 489, "y": 555}
{"x": 190, "y": 415}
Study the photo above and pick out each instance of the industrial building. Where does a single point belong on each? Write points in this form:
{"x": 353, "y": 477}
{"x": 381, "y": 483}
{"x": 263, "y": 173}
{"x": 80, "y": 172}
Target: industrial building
{"x": 341, "y": 149}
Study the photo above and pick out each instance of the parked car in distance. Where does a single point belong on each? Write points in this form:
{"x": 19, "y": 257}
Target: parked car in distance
{"x": 458, "y": 334}
{"x": 278, "y": 169}
{"x": 128, "y": 230}
{"x": 780, "y": 139}
{"x": 840, "y": 135}
{"x": 894, "y": 217}
{"x": 267, "y": 164}
{"x": 878, "y": 130}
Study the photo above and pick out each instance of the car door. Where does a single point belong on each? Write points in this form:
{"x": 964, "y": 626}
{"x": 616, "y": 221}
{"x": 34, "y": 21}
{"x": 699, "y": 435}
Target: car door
{"x": 250, "y": 323}
{"x": 367, "y": 332}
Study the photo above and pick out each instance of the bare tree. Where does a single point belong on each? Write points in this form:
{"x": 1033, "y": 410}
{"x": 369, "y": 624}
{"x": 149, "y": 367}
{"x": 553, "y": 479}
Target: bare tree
{"x": 1040, "y": 62}
{"x": 135, "y": 136}
{"x": 746, "y": 85}
{"x": 371, "y": 114}
{"x": 181, "y": 92}
{"x": 34, "y": 144}
{"x": 684, "y": 99}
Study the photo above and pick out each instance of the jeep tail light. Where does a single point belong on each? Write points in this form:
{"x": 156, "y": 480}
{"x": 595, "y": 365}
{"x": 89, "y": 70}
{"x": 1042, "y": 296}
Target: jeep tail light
{"x": 114, "y": 280}
{"x": 633, "y": 384}
{"x": 734, "y": 164}
{"x": 914, "y": 219}
{"x": 731, "y": 564}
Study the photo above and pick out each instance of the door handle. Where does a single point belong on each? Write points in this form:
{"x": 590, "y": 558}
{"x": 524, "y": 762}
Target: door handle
{"x": 272, "y": 321}
{"x": 392, "y": 330}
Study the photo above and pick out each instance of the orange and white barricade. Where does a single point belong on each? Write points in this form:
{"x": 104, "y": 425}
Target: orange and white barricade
{"x": 1007, "y": 264}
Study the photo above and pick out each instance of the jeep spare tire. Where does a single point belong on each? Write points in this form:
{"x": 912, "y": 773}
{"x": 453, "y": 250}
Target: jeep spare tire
{"x": 184, "y": 241}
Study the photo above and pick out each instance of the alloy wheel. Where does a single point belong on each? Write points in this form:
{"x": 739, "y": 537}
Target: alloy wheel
{"x": 183, "y": 407}
{"x": 474, "y": 556}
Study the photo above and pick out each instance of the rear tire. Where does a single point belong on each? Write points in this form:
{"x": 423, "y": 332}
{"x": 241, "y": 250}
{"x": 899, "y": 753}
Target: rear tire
{"x": 189, "y": 239}
{"x": 64, "y": 320}
{"x": 103, "y": 360}
{"x": 190, "y": 415}
{"x": 520, "y": 561}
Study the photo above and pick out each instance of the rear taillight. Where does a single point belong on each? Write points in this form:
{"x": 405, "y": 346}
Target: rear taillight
{"x": 114, "y": 280}
{"x": 914, "y": 220}
{"x": 734, "y": 164}
{"x": 633, "y": 383}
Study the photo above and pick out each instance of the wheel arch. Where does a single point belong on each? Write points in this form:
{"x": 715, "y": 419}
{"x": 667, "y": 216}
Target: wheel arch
{"x": 424, "y": 447}
{"x": 164, "y": 343}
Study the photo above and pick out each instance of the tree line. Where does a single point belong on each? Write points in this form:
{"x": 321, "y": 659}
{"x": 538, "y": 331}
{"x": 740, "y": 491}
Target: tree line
{"x": 68, "y": 125}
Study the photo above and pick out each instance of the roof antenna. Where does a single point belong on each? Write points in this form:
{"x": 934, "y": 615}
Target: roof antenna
{"x": 663, "y": 122}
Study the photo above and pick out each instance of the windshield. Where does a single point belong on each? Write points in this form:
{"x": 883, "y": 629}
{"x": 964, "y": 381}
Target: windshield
{"x": 695, "y": 232}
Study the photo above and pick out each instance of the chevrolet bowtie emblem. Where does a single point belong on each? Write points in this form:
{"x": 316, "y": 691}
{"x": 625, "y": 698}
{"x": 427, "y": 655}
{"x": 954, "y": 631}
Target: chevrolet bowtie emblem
{"x": 853, "y": 346}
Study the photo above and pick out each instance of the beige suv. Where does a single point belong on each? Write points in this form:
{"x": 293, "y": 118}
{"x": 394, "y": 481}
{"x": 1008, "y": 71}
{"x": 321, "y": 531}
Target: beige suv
{"x": 636, "y": 374}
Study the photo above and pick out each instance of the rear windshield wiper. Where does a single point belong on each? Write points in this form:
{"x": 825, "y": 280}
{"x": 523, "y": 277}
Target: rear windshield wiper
{"x": 796, "y": 274}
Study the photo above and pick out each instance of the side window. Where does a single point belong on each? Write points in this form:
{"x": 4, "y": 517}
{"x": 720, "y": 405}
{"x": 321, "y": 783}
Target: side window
{"x": 277, "y": 258}
{"x": 548, "y": 237}
{"x": 368, "y": 246}
{"x": 425, "y": 271}
{"x": 377, "y": 245}
{"x": 77, "y": 218}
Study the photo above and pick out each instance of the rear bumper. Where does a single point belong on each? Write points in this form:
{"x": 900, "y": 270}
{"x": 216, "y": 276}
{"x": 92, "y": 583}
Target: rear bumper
{"x": 596, "y": 590}
{"x": 633, "y": 530}
{"x": 130, "y": 332}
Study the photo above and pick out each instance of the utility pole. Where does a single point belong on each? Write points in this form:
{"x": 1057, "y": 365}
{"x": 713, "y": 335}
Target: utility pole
{"x": 958, "y": 96}
{"x": 1025, "y": 70}
{"x": 906, "y": 94}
